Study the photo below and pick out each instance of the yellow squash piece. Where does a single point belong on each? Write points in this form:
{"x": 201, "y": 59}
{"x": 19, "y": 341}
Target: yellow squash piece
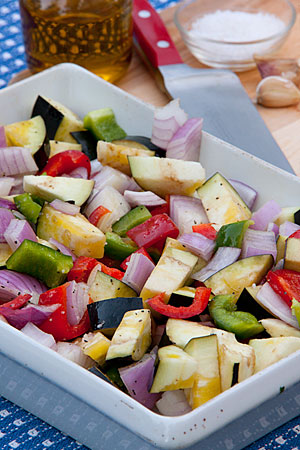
{"x": 176, "y": 370}
{"x": 75, "y": 232}
{"x": 95, "y": 345}
{"x": 132, "y": 337}
{"x": 28, "y": 133}
{"x": 115, "y": 155}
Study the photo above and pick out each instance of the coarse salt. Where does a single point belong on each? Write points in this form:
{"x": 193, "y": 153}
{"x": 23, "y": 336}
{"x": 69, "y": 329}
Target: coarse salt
{"x": 231, "y": 27}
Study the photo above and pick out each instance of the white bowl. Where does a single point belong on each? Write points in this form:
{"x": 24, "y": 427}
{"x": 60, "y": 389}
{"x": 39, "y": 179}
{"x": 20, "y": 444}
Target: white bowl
{"x": 82, "y": 91}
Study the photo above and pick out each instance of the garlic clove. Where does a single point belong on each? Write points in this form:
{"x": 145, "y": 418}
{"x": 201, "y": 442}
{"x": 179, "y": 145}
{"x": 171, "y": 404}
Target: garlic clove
{"x": 288, "y": 68}
{"x": 277, "y": 92}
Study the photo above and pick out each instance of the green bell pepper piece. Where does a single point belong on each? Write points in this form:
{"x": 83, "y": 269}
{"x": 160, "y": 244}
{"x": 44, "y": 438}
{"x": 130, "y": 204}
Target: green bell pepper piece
{"x": 41, "y": 262}
{"x": 118, "y": 248}
{"x": 232, "y": 234}
{"x": 29, "y": 206}
{"x": 102, "y": 124}
{"x": 131, "y": 219}
{"x": 223, "y": 311}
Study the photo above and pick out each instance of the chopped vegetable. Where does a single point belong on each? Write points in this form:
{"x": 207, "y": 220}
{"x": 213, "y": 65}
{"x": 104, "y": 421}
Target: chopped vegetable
{"x": 28, "y": 207}
{"x": 65, "y": 162}
{"x": 132, "y": 219}
{"x": 232, "y": 234}
{"x": 285, "y": 283}
{"x": 102, "y": 124}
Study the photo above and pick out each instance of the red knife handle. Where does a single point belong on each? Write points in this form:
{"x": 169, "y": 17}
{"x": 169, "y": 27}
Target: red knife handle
{"x": 153, "y": 36}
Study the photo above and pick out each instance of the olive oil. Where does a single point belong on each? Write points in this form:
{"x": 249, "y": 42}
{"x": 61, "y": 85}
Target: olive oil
{"x": 96, "y": 34}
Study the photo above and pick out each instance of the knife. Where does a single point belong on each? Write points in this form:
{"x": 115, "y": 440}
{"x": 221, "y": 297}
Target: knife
{"x": 214, "y": 94}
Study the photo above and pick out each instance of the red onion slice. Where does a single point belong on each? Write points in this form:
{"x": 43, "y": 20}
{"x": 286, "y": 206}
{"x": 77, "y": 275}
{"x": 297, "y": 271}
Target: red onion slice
{"x": 173, "y": 403}
{"x": 13, "y": 284}
{"x": 77, "y": 301}
{"x": 275, "y": 305}
{"x": 146, "y": 198}
{"x": 287, "y": 228}
{"x": 257, "y": 242}
{"x": 17, "y": 231}
{"x": 38, "y": 335}
{"x": 166, "y": 122}
{"x": 18, "y": 186}
{"x": 185, "y": 144}
{"x": 79, "y": 172}
{"x": 16, "y": 161}
{"x": 223, "y": 257}
{"x": 246, "y": 192}
{"x": 65, "y": 207}
{"x": 111, "y": 177}
{"x": 6, "y": 216}
{"x": 138, "y": 271}
{"x": 6, "y": 183}
{"x": 138, "y": 378}
{"x": 36, "y": 314}
{"x": 273, "y": 227}
{"x": 3, "y": 142}
{"x": 4, "y": 203}
{"x": 264, "y": 215}
{"x": 74, "y": 353}
{"x": 186, "y": 212}
{"x": 198, "y": 244}
{"x": 62, "y": 248}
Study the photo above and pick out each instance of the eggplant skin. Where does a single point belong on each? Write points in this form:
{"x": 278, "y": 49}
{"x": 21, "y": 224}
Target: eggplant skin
{"x": 51, "y": 115}
{"x": 108, "y": 314}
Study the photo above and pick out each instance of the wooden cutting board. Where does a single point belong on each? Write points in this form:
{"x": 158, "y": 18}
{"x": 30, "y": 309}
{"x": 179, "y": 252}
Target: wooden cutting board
{"x": 284, "y": 123}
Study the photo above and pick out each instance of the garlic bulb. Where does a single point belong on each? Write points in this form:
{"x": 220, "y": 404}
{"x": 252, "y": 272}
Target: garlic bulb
{"x": 288, "y": 68}
{"x": 277, "y": 92}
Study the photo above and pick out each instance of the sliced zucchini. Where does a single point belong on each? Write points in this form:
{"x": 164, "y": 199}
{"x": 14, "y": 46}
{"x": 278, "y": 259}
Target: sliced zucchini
{"x": 165, "y": 175}
{"x": 269, "y": 351}
{"x": 105, "y": 286}
{"x": 56, "y": 147}
{"x": 116, "y": 156}
{"x": 68, "y": 189}
{"x": 60, "y": 120}
{"x": 278, "y": 328}
{"x": 107, "y": 314}
{"x": 176, "y": 370}
{"x": 171, "y": 272}
{"x": 132, "y": 337}
{"x": 75, "y": 232}
{"x": 221, "y": 202}
{"x": 207, "y": 382}
{"x": 28, "y": 133}
{"x": 243, "y": 273}
{"x": 292, "y": 254}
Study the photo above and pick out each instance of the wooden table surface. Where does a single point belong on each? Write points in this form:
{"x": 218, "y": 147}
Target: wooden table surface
{"x": 284, "y": 123}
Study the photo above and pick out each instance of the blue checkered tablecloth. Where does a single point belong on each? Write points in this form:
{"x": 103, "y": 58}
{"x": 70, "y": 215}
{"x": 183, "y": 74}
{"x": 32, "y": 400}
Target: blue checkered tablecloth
{"x": 18, "y": 428}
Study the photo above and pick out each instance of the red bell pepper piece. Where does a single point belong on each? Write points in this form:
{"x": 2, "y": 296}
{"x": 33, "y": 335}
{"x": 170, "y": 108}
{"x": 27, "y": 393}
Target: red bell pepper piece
{"x": 65, "y": 162}
{"x": 17, "y": 302}
{"x": 97, "y": 214}
{"x": 155, "y": 229}
{"x": 206, "y": 229}
{"x": 84, "y": 265}
{"x": 199, "y": 304}
{"x": 296, "y": 234}
{"x": 57, "y": 324}
{"x": 285, "y": 283}
{"x": 124, "y": 263}
{"x": 161, "y": 209}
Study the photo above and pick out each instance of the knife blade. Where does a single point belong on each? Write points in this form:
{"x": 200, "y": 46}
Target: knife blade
{"x": 217, "y": 95}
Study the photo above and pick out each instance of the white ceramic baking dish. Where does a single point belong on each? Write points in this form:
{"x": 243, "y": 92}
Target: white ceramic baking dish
{"x": 82, "y": 92}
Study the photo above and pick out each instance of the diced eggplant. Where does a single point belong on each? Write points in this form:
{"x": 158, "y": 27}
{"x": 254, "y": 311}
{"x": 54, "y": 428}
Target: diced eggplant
{"x": 87, "y": 142}
{"x": 176, "y": 370}
{"x": 132, "y": 337}
{"x": 165, "y": 175}
{"x": 60, "y": 120}
{"x": 116, "y": 155}
{"x": 108, "y": 314}
{"x": 142, "y": 142}
{"x": 28, "y": 133}
{"x": 248, "y": 302}
{"x": 221, "y": 202}
{"x": 286, "y": 215}
{"x": 269, "y": 351}
{"x": 183, "y": 296}
{"x": 104, "y": 287}
{"x": 278, "y": 328}
{"x": 243, "y": 273}
{"x": 68, "y": 189}
{"x": 292, "y": 254}
{"x": 207, "y": 382}
{"x": 297, "y": 217}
